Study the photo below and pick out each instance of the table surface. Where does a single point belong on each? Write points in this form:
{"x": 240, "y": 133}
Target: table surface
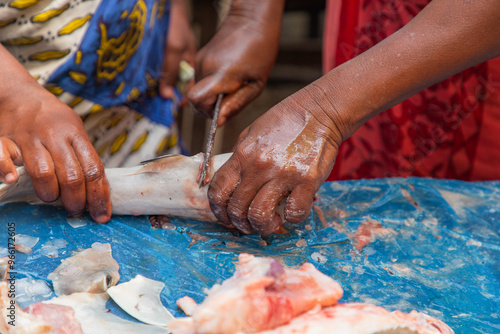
{"x": 424, "y": 244}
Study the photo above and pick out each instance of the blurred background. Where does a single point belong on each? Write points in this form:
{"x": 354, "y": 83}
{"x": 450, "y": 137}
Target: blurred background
{"x": 298, "y": 64}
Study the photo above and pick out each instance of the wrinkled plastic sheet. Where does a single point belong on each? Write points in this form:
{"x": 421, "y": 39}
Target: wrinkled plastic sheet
{"x": 433, "y": 246}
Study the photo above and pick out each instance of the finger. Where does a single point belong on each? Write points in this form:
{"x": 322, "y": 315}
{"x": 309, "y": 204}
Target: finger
{"x": 40, "y": 167}
{"x": 221, "y": 188}
{"x": 262, "y": 213}
{"x": 96, "y": 184}
{"x": 299, "y": 203}
{"x": 170, "y": 73}
{"x": 70, "y": 177}
{"x": 240, "y": 201}
{"x": 10, "y": 155}
{"x": 233, "y": 103}
{"x": 203, "y": 94}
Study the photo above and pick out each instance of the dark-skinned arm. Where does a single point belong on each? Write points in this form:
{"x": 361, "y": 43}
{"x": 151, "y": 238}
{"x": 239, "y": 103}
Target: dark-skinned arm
{"x": 289, "y": 152}
{"x": 48, "y": 137}
{"x": 238, "y": 59}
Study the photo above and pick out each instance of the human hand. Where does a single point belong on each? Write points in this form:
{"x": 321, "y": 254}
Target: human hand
{"x": 238, "y": 59}
{"x": 285, "y": 155}
{"x": 180, "y": 46}
{"x": 48, "y": 137}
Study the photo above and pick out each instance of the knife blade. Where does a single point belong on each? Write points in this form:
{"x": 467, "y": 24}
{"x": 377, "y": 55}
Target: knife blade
{"x": 210, "y": 140}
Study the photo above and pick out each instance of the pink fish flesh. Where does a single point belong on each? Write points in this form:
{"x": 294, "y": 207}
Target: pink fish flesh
{"x": 264, "y": 297}
{"x": 36, "y": 319}
{"x": 262, "y": 294}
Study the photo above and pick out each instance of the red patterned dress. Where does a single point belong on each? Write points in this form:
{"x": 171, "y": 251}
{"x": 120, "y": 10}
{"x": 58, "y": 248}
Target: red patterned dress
{"x": 450, "y": 130}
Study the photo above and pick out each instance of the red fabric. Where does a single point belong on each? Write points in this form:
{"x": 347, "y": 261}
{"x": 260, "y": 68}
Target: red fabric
{"x": 450, "y": 130}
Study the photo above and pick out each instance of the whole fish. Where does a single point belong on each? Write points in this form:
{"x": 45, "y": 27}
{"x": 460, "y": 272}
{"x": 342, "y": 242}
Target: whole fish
{"x": 164, "y": 186}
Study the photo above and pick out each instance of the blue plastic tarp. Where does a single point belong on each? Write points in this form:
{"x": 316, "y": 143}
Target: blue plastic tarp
{"x": 429, "y": 245}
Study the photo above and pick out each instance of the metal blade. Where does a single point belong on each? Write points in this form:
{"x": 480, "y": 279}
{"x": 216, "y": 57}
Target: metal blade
{"x": 210, "y": 140}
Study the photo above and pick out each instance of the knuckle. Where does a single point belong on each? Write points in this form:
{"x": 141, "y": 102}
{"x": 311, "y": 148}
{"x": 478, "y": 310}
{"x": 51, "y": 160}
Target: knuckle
{"x": 236, "y": 213}
{"x": 215, "y": 197}
{"x": 72, "y": 181}
{"x": 94, "y": 174}
{"x": 43, "y": 175}
{"x": 259, "y": 217}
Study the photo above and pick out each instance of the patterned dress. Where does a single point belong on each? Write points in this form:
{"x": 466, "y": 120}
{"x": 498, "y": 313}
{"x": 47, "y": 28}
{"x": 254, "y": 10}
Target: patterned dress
{"x": 450, "y": 130}
{"x": 103, "y": 58}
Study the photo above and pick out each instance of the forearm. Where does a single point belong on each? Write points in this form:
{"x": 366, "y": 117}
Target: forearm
{"x": 266, "y": 13}
{"x": 14, "y": 78}
{"x": 447, "y": 37}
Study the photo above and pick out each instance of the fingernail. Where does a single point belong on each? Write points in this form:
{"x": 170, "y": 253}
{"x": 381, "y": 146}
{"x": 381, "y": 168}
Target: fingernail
{"x": 102, "y": 219}
{"x": 77, "y": 214}
{"x": 9, "y": 178}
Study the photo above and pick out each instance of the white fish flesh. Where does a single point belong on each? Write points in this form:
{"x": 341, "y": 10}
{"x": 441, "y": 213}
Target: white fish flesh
{"x": 262, "y": 294}
{"x": 166, "y": 186}
{"x": 140, "y": 297}
{"x": 293, "y": 301}
{"x": 91, "y": 270}
{"x": 90, "y": 309}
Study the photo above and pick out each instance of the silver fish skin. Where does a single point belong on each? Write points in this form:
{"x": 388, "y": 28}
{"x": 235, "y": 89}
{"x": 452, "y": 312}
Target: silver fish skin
{"x": 92, "y": 270}
{"x": 166, "y": 186}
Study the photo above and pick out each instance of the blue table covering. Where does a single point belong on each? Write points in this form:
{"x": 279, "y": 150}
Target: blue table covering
{"x": 432, "y": 246}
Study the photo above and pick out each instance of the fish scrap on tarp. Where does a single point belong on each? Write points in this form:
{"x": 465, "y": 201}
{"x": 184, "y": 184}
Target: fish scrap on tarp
{"x": 423, "y": 244}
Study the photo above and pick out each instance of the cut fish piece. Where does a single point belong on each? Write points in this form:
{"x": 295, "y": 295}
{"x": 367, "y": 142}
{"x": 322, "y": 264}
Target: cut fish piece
{"x": 261, "y": 295}
{"x": 90, "y": 310}
{"x": 166, "y": 186}
{"x": 140, "y": 297}
{"x": 187, "y": 305}
{"x": 357, "y": 318}
{"x": 91, "y": 270}
{"x": 37, "y": 318}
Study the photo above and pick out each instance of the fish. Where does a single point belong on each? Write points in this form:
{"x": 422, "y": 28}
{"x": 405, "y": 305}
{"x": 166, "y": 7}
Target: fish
{"x": 261, "y": 295}
{"x": 95, "y": 318}
{"x": 38, "y": 318}
{"x": 92, "y": 270}
{"x": 265, "y": 297}
{"x": 361, "y": 318}
{"x": 140, "y": 297}
{"x": 163, "y": 186}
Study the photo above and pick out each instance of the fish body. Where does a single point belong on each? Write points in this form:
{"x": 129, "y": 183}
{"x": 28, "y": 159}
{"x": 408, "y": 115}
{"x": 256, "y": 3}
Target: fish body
{"x": 165, "y": 186}
{"x": 92, "y": 270}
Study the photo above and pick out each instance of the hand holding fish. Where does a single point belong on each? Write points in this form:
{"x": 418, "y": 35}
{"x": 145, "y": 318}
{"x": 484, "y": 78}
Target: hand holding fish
{"x": 238, "y": 60}
{"x": 48, "y": 137}
{"x": 283, "y": 156}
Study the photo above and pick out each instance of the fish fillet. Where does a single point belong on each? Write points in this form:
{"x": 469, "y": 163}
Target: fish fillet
{"x": 166, "y": 186}
{"x": 262, "y": 294}
{"x": 266, "y": 298}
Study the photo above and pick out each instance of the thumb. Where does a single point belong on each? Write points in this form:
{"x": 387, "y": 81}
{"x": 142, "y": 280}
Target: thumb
{"x": 10, "y": 155}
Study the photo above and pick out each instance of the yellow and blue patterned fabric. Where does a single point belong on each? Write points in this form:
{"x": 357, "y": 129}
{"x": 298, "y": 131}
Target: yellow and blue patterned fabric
{"x": 108, "y": 52}
{"x": 103, "y": 58}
